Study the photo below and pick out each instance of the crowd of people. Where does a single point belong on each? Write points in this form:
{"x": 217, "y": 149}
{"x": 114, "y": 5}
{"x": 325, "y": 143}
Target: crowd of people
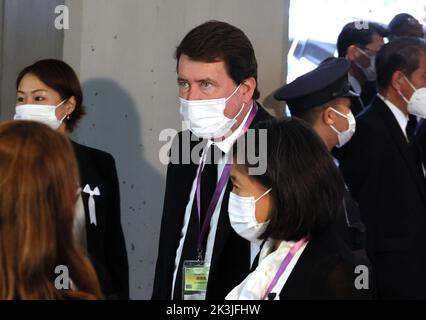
{"x": 338, "y": 212}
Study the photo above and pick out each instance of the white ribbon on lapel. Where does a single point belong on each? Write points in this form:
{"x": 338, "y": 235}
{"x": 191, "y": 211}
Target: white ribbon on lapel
{"x": 92, "y": 208}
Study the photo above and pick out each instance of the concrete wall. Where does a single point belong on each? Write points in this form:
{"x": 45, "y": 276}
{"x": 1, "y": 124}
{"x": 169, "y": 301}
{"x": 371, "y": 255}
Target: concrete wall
{"x": 28, "y": 34}
{"x": 123, "y": 53}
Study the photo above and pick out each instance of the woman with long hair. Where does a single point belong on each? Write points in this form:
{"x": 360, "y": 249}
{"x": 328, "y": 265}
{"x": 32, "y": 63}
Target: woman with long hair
{"x": 39, "y": 188}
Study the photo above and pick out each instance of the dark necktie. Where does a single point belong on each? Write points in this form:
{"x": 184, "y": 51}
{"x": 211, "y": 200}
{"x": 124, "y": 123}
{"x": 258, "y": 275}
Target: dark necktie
{"x": 207, "y": 188}
{"x": 413, "y": 144}
{"x": 209, "y": 180}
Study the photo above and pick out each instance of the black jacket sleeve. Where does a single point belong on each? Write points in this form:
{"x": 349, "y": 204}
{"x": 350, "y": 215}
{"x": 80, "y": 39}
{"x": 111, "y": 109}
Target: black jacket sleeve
{"x": 117, "y": 255}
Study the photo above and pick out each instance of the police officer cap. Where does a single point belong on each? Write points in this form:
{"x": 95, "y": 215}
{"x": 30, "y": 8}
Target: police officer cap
{"x": 327, "y": 82}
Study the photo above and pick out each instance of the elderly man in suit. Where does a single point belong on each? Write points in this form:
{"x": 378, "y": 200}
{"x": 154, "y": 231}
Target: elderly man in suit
{"x": 382, "y": 166}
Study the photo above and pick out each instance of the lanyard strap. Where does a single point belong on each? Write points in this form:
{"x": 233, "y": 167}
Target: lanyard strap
{"x": 284, "y": 264}
{"x": 218, "y": 190}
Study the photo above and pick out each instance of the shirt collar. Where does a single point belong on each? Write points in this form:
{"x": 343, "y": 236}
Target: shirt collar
{"x": 256, "y": 283}
{"x": 356, "y": 86}
{"x": 336, "y": 162}
{"x": 226, "y": 144}
{"x": 400, "y": 116}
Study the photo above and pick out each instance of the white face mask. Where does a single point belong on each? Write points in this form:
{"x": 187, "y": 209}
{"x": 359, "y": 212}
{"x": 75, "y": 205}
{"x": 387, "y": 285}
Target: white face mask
{"x": 345, "y": 136}
{"x": 40, "y": 113}
{"x": 370, "y": 71}
{"x": 417, "y": 104}
{"x": 242, "y": 214}
{"x": 206, "y": 118}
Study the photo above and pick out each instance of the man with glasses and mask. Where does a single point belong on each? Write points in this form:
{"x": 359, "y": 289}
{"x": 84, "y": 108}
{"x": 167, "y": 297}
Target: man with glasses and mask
{"x": 359, "y": 43}
{"x": 200, "y": 256}
{"x": 382, "y": 166}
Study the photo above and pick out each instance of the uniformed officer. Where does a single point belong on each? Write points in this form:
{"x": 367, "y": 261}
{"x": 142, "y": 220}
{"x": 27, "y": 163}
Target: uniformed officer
{"x": 322, "y": 98}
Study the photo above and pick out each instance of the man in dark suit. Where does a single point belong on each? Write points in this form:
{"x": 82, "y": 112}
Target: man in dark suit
{"x": 421, "y": 137}
{"x": 359, "y": 43}
{"x": 217, "y": 78}
{"x": 405, "y": 25}
{"x": 383, "y": 169}
{"x": 321, "y": 97}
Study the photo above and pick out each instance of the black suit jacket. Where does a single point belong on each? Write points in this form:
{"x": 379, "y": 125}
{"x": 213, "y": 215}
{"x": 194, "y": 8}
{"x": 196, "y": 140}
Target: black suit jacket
{"x": 231, "y": 254}
{"x": 105, "y": 241}
{"x": 381, "y": 174}
{"x": 351, "y": 229}
{"x": 369, "y": 91}
{"x": 421, "y": 136}
{"x": 325, "y": 271}
{"x": 358, "y": 104}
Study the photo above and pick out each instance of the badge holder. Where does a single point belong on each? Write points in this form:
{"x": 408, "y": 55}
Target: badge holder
{"x": 195, "y": 279}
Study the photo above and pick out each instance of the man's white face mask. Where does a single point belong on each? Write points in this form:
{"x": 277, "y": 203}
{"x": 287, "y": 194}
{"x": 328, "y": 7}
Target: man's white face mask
{"x": 346, "y": 135}
{"x": 370, "y": 71}
{"x": 417, "y": 103}
{"x": 206, "y": 118}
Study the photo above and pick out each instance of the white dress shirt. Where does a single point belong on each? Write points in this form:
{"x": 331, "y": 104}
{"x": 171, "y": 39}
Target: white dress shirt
{"x": 356, "y": 86}
{"x": 400, "y": 116}
{"x": 402, "y": 119}
{"x": 254, "y": 286}
{"x": 79, "y": 227}
{"x": 224, "y": 146}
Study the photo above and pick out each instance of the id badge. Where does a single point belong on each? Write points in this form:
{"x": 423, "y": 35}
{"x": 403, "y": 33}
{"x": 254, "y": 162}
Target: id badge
{"x": 195, "y": 279}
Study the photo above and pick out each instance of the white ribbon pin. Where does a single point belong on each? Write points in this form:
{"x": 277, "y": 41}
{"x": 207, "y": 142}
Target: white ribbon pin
{"x": 92, "y": 208}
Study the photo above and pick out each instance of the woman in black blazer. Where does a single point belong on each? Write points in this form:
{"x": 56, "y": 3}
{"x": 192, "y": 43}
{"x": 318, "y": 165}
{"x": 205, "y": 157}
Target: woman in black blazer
{"x": 290, "y": 209}
{"x": 49, "y": 91}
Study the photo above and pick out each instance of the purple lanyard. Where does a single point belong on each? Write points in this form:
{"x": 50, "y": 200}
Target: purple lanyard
{"x": 294, "y": 249}
{"x": 219, "y": 188}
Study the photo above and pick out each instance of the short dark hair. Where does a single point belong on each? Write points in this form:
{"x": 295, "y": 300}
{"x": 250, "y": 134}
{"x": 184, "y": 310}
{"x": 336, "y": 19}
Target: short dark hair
{"x": 219, "y": 41}
{"x": 310, "y": 115}
{"x": 59, "y": 76}
{"x": 307, "y": 187}
{"x": 358, "y": 33}
{"x": 400, "y": 54}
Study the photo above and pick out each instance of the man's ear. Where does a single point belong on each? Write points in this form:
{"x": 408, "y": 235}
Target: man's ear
{"x": 397, "y": 80}
{"x": 248, "y": 88}
{"x": 352, "y": 53}
{"x": 328, "y": 116}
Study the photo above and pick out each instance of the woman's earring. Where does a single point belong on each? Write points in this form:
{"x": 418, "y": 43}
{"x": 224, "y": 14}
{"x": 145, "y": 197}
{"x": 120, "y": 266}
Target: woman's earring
{"x": 68, "y": 117}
